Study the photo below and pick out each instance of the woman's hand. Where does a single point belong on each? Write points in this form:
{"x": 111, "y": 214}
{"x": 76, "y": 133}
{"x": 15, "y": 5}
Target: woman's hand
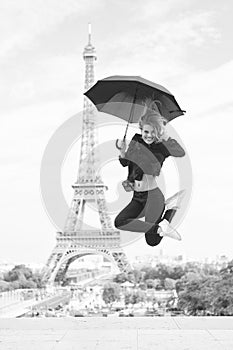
{"x": 164, "y": 136}
{"x": 121, "y": 145}
{"x": 128, "y": 186}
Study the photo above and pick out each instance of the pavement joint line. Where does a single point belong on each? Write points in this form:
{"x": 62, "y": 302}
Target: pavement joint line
{"x": 62, "y": 337}
{"x": 54, "y": 346}
{"x": 209, "y": 332}
{"x": 177, "y": 325}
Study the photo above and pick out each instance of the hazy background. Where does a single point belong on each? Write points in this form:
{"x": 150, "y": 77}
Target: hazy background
{"x": 184, "y": 45}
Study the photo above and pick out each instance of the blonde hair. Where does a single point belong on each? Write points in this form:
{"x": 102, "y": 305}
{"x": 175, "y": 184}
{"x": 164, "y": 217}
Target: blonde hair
{"x": 153, "y": 117}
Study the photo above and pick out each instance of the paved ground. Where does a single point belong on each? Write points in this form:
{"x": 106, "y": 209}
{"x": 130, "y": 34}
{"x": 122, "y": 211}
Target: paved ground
{"x": 117, "y": 333}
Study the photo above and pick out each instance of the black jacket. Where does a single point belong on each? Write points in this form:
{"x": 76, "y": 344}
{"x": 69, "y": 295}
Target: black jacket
{"x": 142, "y": 158}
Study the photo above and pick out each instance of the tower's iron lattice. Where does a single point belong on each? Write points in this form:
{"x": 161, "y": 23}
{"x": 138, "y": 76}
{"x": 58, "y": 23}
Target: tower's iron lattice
{"x": 76, "y": 241}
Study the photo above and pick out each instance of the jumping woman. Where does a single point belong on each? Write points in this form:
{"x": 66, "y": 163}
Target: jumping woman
{"x": 144, "y": 158}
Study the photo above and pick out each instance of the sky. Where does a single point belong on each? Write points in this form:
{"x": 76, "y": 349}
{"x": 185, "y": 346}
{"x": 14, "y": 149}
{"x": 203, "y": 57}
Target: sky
{"x": 185, "y": 46}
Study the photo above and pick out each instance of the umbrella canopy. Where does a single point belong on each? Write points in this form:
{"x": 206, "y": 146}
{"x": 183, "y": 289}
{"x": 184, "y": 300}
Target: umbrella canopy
{"x": 124, "y": 97}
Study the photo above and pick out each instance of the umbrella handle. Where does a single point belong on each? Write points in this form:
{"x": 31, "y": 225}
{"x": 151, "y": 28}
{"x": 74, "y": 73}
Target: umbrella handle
{"x": 118, "y": 147}
{"x": 117, "y": 141}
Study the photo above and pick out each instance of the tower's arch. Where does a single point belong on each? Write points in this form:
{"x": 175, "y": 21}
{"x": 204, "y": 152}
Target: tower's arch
{"x": 70, "y": 256}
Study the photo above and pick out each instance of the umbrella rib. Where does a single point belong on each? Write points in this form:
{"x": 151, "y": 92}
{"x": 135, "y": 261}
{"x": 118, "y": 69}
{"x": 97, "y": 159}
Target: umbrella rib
{"x": 131, "y": 111}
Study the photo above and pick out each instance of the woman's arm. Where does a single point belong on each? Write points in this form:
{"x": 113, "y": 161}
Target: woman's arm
{"x": 123, "y": 161}
{"x": 173, "y": 148}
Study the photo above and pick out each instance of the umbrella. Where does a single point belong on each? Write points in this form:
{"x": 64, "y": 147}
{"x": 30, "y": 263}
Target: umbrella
{"x": 124, "y": 97}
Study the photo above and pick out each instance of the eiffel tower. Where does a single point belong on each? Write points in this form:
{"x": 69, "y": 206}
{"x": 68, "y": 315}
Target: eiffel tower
{"x": 76, "y": 241}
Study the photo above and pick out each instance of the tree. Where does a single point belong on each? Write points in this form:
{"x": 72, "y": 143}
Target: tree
{"x": 158, "y": 284}
{"x": 203, "y": 290}
{"x": 177, "y": 272}
{"x": 227, "y": 270}
{"x": 222, "y": 297}
{"x": 142, "y": 286}
{"x": 222, "y": 302}
{"x": 15, "y": 285}
{"x": 4, "y": 286}
{"x": 150, "y": 273}
{"x": 138, "y": 276}
{"x": 120, "y": 278}
{"x": 111, "y": 293}
{"x": 210, "y": 295}
{"x": 162, "y": 271}
{"x": 17, "y": 273}
{"x": 150, "y": 283}
{"x": 193, "y": 298}
{"x": 169, "y": 283}
{"x": 189, "y": 277}
{"x": 37, "y": 278}
{"x": 22, "y": 277}
{"x": 134, "y": 297}
{"x": 128, "y": 298}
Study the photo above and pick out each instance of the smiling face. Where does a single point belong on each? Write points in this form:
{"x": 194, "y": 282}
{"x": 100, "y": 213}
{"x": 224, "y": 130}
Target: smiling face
{"x": 148, "y": 134}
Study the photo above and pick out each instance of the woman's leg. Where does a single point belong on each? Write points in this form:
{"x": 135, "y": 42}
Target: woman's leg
{"x": 154, "y": 206}
{"x": 128, "y": 218}
{"x": 153, "y": 213}
{"x": 169, "y": 214}
{"x": 173, "y": 204}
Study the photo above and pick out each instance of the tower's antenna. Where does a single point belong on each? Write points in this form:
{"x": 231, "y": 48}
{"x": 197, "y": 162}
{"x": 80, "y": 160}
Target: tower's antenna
{"x": 89, "y": 33}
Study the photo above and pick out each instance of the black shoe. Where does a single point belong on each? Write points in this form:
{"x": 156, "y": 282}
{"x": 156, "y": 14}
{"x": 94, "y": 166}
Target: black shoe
{"x": 152, "y": 237}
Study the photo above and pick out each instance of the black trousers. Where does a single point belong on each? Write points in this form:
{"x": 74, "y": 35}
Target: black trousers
{"x": 148, "y": 204}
